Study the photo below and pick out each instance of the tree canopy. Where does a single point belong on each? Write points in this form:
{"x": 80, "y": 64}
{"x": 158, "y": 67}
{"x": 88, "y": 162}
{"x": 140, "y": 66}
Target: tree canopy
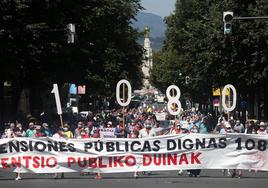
{"x": 34, "y": 47}
{"x": 196, "y": 46}
{"x": 34, "y": 52}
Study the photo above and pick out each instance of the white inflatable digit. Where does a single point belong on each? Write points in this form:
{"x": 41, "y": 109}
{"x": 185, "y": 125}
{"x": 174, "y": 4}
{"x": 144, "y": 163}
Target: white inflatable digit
{"x": 229, "y": 109}
{"x": 173, "y": 100}
{"x": 128, "y": 94}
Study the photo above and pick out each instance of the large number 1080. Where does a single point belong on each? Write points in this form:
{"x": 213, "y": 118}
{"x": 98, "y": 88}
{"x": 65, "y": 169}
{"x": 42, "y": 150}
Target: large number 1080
{"x": 174, "y": 99}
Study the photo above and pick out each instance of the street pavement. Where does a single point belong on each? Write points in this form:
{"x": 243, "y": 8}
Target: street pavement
{"x": 209, "y": 178}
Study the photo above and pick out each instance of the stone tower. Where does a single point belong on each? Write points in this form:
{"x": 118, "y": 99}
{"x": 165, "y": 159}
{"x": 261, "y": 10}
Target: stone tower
{"x": 148, "y": 59}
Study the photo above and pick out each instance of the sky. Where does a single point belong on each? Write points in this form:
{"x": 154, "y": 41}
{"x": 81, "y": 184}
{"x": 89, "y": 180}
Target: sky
{"x": 160, "y": 7}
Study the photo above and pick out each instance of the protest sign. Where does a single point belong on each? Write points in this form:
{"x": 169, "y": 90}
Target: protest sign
{"x": 171, "y": 152}
{"x": 160, "y": 116}
{"x": 107, "y": 132}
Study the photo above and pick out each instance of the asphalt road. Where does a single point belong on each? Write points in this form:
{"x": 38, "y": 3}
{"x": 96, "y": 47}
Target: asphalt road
{"x": 209, "y": 178}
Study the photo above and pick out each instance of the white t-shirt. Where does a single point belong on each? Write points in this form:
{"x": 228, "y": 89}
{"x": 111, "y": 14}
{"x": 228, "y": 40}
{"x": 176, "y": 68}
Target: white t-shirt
{"x": 56, "y": 135}
{"x": 144, "y": 133}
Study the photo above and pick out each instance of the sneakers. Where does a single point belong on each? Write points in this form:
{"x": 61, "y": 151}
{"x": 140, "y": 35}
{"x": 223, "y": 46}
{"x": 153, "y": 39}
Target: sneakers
{"x": 98, "y": 177}
{"x": 135, "y": 175}
{"x": 18, "y": 178}
{"x": 180, "y": 172}
{"x": 233, "y": 175}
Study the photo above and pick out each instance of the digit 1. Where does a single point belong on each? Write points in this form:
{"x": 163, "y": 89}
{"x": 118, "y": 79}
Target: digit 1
{"x": 238, "y": 141}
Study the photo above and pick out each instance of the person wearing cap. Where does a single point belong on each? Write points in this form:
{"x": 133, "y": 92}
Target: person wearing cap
{"x": 194, "y": 172}
{"x": 30, "y": 132}
{"x": 228, "y": 128}
{"x": 147, "y": 131}
{"x": 262, "y": 130}
{"x": 176, "y": 129}
{"x": 46, "y": 130}
{"x": 109, "y": 124}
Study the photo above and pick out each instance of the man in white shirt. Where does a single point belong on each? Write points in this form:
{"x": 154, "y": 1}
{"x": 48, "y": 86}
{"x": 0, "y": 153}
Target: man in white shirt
{"x": 59, "y": 135}
{"x": 147, "y": 131}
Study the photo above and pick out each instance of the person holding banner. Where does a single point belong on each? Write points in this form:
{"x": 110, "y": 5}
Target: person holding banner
{"x": 176, "y": 129}
{"x": 30, "y": 131}
{"x": 83, "y": 134}
{"x": 262, "y": 130}
{"x": 121, "y": 131}
{"x": 67, "y": 131}
{"x": 60, "y": 134}
{"x": 38, "y": 132}
{"x": 17, "y": 133}
{"x": 80, "y": 126}
{"x": 194, "y": 172}
{"x": 147, "y": 131}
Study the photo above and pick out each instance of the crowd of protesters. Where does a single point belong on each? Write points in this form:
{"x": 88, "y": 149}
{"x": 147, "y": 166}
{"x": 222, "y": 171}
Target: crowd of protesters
{"x": 137, "y": 123}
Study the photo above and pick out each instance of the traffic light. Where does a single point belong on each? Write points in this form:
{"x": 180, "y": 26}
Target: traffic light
{"x": 227, "y": 21}
{"x": 70, "y": 33}
{"x": 187, "y": 78}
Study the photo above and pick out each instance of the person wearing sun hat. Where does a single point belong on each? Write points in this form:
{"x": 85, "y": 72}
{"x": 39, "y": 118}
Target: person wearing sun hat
{"x": 262, "y": 130}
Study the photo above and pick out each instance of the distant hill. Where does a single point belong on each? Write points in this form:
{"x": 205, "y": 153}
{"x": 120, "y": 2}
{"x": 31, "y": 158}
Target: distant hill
{"x": 157, "y": 28}
{"x": 155, "y": 22}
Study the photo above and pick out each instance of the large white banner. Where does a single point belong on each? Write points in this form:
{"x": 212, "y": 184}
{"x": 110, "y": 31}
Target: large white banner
{"x": 171, "y": 152}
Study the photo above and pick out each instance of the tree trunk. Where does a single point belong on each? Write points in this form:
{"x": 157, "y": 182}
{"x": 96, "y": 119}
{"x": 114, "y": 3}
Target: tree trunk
{"x": 1, "y": 104}
{"x": 265, "y": 88}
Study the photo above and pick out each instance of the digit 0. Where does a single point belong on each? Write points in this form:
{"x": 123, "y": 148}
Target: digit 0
{"x": 173, "y": 100}
{"x": 229, "y": 109}
{"x": 128, "y": 94}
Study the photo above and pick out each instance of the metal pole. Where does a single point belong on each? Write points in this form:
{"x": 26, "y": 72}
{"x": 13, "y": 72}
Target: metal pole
{"x": 123, "y": 106}
{"x": 61, "y": 121}
{"x": 229, "y": 104}
{"x": 173, "y": 95}
{"x": 251, "y": 18}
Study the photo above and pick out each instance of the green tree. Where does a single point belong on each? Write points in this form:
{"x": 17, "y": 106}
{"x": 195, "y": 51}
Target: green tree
{"x": 34, "y": 52}
{"x": 210, "y": 58}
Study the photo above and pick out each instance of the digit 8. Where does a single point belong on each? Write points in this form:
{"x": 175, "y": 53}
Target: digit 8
{"x": 173, "y": 100}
